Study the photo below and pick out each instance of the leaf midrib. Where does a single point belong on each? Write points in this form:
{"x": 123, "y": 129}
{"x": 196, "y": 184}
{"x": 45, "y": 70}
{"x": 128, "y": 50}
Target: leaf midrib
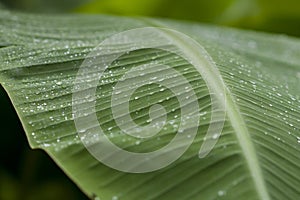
{"x": 235, "y": 117}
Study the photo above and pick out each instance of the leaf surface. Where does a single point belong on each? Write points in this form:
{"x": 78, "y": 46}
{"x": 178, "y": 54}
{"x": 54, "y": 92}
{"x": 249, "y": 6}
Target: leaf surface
{"x": 257, "y": 155}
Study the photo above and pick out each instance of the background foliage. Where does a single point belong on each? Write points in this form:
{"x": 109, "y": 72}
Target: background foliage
{"x": 267, "y": 15}
{"x": 21, "y": 169}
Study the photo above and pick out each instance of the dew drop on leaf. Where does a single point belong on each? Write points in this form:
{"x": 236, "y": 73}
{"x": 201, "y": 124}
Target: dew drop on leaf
{"x": 221, "y": 193}
{"x": 215, "y": 136}
{"x": 114, "y": 198}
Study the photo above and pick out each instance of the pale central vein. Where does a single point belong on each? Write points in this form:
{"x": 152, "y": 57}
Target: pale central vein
{"x": 233, "y": 113}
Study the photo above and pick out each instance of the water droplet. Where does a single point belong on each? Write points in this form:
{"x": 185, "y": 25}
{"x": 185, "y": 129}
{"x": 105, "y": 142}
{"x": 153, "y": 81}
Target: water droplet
{"x": 46, "y": 145}
{"x": 203, "y": 113}
{"x": 81, "y": 131}
{"x": 114, "y": 198}
{"x": 221, "y": 193}
{"x": 215, "y": 136}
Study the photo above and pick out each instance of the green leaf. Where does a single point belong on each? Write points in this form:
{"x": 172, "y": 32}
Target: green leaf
{"x": 257, "y": 155}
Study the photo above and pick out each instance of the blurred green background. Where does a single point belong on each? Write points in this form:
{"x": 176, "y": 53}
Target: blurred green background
{"x": 266, "y": 15}
{"x": 29, "y": 175}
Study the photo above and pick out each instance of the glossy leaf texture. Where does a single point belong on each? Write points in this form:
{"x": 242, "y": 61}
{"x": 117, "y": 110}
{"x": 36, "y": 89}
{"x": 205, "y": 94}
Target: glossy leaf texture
{"x": 40, "y": 57}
